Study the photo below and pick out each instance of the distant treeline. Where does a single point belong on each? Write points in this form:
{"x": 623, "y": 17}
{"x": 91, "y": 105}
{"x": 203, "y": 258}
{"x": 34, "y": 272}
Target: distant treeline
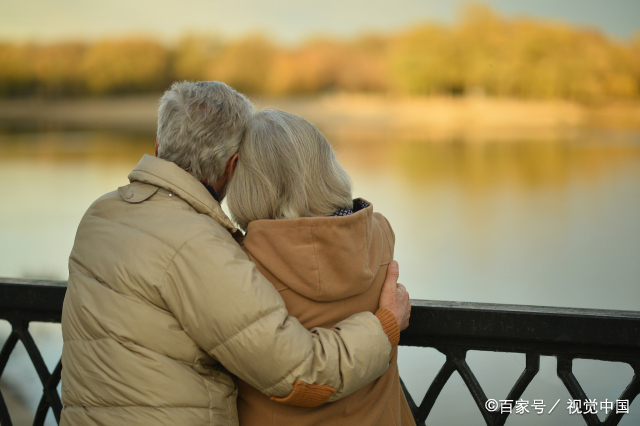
{"x": 483, "y": 53}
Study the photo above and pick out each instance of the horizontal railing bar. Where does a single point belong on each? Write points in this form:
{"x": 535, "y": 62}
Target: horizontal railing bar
{"x": 33, "y": 300}
{"x": 532, "y": 309}
{"x": 448, "y": 322}
{"x": 27, "y": 281}
{"x": 487, "y": 326}
{"x": 608, "y": 353}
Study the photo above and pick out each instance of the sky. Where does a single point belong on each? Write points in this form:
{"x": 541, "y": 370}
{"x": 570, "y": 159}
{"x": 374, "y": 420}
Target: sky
{"x": 287, "y": 21}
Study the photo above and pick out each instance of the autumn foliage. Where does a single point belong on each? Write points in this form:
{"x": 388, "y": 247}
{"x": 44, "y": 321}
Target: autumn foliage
{"x": 483, "y": 53}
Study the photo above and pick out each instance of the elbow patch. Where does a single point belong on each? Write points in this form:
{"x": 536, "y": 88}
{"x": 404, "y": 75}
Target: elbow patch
{"x": 306, "y": 395}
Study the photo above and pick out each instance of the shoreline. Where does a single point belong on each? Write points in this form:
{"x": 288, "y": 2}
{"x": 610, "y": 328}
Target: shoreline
{"x": 352, "y": 116}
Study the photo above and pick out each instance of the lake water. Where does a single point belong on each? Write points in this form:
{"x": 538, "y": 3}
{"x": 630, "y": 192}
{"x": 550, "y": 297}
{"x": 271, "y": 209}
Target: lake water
{"x": 551, "y": 223}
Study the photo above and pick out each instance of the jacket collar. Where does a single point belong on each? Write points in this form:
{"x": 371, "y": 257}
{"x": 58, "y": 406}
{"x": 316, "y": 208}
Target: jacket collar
{"x": 170, "y": 176}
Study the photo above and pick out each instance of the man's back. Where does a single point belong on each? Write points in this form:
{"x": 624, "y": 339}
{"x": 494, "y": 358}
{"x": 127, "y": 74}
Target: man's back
{"x": 126, "y": 355}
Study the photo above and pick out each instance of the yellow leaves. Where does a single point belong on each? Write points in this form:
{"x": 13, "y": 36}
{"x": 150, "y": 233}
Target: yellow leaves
{"x": 244, "y": 64}
{"x": 484, "y": 53}
{"x": 109, "y": 66}
{"x": 491, "y": 54}
{"x": 16, "y": 69}
{"x": 125, "y": 65}
{"x": 193, "y": 56}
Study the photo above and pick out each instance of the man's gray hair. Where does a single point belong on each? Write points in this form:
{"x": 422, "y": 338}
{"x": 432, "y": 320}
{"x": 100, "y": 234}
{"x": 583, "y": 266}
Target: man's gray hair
{"x": 200, "y": 126}
{"x": 286, "y": 169}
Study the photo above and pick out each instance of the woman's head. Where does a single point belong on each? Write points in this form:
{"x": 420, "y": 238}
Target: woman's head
{"x": 286, "y": 169}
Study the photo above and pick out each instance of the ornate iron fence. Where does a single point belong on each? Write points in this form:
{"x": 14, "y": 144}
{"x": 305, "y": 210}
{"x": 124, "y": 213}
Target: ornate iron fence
{"x": 452, "y": 328}
{"x": 22, "y": 302}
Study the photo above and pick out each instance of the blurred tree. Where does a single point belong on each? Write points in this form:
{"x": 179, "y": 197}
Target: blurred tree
{"x": 481, "y": 50}
{"x": 194, "y": 55}
{"x": 364, "y": 68}
{"x": 486, "y": 53}
{"x": 244, "y": 64}
{"x": 17, "y": 72}
{"x": 57, "y": 71}
{"x": 483, "y": 53}
{"x": 312, "y": 68}
{"x": 422, "y": 61}
{"x": 126, "y": 66}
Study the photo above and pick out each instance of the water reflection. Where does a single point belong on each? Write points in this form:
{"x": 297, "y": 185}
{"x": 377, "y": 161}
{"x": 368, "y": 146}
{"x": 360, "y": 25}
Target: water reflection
{"x": 528, "y": 165}
{"x": 527, "y": 223}
{"x": 49, "y": 180}
{"x": 549, "y": 223}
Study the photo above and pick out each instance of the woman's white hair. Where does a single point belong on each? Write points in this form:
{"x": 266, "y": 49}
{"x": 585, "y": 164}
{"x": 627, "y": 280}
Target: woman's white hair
{"x": 286, "y": 169}
{"x": 200, "y": 126}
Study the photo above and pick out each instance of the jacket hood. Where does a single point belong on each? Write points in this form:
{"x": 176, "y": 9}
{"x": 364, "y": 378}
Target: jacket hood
{"x": 322, "y": 258}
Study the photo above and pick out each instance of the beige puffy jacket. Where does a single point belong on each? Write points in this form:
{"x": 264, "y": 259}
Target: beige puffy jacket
{"x": 326, "y": 269}
{"x": 163, "y": 307}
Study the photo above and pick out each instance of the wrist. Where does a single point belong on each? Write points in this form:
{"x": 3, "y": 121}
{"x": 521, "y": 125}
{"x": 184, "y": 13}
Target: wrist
{"x": 389, "y": 325}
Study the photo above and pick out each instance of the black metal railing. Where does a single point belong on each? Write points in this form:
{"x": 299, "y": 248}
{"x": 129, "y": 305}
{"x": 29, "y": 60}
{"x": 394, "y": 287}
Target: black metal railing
{"x": 22, "y": 302}
{"x": 453, "y": 328}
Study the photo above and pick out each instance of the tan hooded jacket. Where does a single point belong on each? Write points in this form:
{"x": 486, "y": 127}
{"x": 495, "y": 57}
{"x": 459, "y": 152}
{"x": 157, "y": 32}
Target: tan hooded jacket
{"x": 326, "y": 269}
{"x": 163, "y": 307}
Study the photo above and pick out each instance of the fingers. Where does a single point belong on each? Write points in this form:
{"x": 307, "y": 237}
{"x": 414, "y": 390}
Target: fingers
{"x": 390, "y": 283}
{"x": 405, "y": 306}
{"x": 394, "y": 296}
{"x": 393, "y": 272}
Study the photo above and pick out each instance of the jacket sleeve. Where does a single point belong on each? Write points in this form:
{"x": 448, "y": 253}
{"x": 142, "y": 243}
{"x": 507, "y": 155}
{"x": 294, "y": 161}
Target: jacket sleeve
{"x": 230, "y": 310}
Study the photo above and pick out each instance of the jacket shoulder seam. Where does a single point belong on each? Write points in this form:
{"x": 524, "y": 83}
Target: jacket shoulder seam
{"x": 189, "y": 240}
{"x": 245, "y": 328}
{"x": 179, "y": 249}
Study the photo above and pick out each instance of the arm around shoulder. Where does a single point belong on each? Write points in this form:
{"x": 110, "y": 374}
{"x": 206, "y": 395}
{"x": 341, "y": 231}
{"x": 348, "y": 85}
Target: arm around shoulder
{"x": 232, "y": 312}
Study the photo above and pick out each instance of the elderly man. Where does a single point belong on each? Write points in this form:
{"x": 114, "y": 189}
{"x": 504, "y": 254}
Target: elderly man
{"x": 163, "y": 307}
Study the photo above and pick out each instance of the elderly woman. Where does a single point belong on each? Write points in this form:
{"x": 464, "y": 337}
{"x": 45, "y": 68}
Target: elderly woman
{"x": 325, "y": 253}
